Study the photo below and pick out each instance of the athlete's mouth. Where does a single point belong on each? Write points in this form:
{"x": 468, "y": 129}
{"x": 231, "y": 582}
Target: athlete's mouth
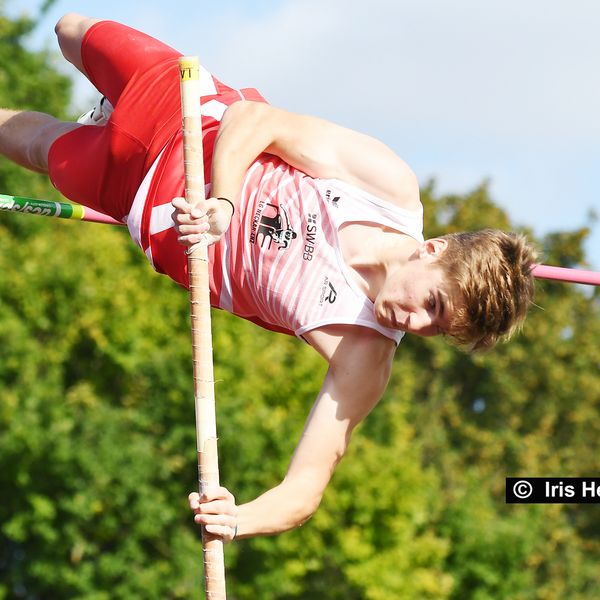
{"x": 406, "y": 324}
{"x": 396, "y": 323}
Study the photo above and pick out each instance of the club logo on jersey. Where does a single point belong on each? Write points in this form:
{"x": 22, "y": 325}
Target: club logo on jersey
{"x": 272, "y": 224}
{"x": 333, "y": 201}
{"x": 311, "y": 236}
{"x": 328, "y": 292}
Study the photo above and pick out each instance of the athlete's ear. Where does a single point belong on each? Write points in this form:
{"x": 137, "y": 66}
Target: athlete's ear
{"x": 433, "y": 247}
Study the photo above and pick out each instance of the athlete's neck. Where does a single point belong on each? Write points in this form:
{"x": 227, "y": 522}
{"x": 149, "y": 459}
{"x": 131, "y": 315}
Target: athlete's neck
{"x": 373, "y": 257}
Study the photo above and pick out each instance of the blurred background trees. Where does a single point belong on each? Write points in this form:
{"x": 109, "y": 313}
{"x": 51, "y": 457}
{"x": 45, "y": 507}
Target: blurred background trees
{"x": 97, "y": 441}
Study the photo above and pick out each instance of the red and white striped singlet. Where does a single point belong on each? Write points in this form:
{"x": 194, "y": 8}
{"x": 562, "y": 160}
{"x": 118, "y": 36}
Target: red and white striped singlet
{"x": 280, "y": 263}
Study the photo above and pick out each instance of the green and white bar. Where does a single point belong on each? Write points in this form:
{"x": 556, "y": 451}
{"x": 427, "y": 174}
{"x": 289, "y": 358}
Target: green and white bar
{"x": 48, "y": 208}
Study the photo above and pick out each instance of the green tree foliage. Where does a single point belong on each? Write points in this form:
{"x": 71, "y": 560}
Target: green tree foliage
{"x": 97, "y": 440}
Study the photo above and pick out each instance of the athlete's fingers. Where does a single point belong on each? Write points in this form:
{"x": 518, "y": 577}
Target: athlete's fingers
{"x": 224, "y": 508}
{"x": 194, "y": 500}
{"x": 212, "y": 495}
{"x": 220, "y": 530}
{"x": 227, "y": 519}
{"x": 197, "y": 212}
{"x": 224, "y": 527}
{"x": 202, "y": 227}
{"x": 227, "y": 532}
{"x": 181, "y": 204}
{"x": 217, "y": 493}
{"x": 216, "y": 507}
{"x": 190, "y": 240}
{"x": 180, "y": 217}
{"x": 216, "y": 511}
{"x": 184, "y": 224}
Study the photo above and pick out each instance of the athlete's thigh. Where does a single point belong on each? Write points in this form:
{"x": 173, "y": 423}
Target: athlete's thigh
{"x": 113, "y": 54}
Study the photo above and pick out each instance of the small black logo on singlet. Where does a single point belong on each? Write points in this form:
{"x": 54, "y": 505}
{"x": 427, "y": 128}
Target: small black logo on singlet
{"x": 328, "y": 292}
{"x": 332, "y": 296}
{"x": 333, "y": 201}
{"x": 273, "y": 227}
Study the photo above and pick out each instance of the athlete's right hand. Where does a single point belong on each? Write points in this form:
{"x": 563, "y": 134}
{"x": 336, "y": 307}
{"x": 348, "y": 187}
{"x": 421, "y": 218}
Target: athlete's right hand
{"x": 206, "y": 222}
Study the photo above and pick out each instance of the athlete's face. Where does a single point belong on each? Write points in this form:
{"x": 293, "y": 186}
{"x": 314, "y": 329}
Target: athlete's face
{"x": 414, "y": 297}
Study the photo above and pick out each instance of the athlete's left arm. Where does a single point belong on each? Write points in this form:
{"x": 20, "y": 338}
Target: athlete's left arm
{"x": 359, "y": 370}
{"x": 318, "y": 147}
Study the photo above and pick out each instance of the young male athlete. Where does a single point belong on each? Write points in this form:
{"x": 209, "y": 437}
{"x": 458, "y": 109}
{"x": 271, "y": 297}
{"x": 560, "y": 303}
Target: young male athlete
{"x": 315, "y": 231}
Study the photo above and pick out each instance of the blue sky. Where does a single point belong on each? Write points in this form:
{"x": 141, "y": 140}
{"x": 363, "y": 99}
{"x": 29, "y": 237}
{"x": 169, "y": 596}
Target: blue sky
{"x": 464, "y": 91}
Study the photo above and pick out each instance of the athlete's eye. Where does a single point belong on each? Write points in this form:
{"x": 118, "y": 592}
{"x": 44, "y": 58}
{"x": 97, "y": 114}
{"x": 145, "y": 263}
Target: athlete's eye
{"x": 432, "y": 302}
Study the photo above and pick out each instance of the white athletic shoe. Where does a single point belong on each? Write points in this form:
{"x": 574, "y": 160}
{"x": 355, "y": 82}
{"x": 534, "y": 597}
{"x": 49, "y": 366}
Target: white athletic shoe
{"x": 99, "y": 115}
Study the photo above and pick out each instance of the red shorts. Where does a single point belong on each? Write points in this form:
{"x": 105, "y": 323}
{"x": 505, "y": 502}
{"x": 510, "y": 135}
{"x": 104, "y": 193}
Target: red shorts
{"x": 103, "y": 166}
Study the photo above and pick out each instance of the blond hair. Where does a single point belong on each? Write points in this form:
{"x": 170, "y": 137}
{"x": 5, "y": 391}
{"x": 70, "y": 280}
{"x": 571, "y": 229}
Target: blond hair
{"x": 489, "y": 271}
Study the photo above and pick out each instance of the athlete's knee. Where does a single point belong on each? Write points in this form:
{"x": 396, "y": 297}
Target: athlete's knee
{"x": 38, "y": 147}
{"x": 70, "y": 30}
{"x": 69, "y": 25}
{"x": 26, "y": 137}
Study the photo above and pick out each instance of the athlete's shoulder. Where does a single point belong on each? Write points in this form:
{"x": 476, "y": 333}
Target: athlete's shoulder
{"x": 403, "y": 189}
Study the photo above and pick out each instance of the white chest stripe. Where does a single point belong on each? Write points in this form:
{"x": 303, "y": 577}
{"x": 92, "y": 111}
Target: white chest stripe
{"x": 134, "y": 218}
{"x": 226, "y": 298}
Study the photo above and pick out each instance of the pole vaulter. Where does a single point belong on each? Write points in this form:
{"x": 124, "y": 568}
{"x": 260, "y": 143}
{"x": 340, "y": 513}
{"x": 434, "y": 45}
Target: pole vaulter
{"x": 67, "y": 210}
{"x": 313, "y": 230}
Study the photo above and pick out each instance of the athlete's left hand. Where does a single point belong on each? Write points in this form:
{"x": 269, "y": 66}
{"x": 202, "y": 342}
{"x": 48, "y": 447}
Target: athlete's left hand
{"x": 206, "y": 222}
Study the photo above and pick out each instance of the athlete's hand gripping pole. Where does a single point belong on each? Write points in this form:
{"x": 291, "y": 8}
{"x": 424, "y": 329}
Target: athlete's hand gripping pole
{"x": 204, "y": 389}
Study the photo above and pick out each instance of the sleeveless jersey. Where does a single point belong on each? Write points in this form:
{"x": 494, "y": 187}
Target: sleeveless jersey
{"x": 289, "y": 267}
{"x": 280, "y": 263}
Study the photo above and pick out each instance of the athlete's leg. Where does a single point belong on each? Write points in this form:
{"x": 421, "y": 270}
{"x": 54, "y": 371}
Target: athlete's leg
{"x": 102, "y": 167}
{"x": 70, "y": 31}
{"x": 26, "y": 137}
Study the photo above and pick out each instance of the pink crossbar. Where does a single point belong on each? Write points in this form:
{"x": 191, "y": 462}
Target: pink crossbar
{"x": 89, "y": 214}
{"x": 568, "y": 275}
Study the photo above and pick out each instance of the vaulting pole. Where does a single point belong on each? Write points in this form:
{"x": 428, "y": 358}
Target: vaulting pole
{"x": 204, "y": 389}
